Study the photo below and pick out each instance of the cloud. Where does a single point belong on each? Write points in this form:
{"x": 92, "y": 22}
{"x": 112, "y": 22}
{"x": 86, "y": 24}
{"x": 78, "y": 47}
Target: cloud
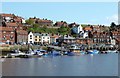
{"x": 113, "y": 18}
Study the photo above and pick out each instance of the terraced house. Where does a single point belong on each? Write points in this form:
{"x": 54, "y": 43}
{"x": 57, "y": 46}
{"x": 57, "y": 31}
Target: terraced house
{"x": 7, "y": 35}
{"x": 14, "y": 25}
{"x": 38, "y": 38}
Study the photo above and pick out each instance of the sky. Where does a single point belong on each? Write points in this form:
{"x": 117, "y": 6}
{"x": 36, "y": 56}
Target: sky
{"x": 80, "y": 12}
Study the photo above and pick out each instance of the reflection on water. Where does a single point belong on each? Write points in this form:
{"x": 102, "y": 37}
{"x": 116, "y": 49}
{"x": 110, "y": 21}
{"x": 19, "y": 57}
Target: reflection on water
{"x": 84, "y": 65}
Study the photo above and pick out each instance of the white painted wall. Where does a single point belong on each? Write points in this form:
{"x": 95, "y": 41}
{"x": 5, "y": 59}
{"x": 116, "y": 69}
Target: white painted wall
{"x": 30, "y": 39}
{"x": 85, "y": 35}
{"x": 45, "y": 38}
{"x": 80, "y": 28}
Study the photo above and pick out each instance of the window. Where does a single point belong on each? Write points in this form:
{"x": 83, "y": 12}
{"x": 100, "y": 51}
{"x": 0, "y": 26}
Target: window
{"x": 35, "y": 39}
{"x": 30, "y": 38}
{"x": 35, "y": 36}
{"x": 30, "y": 41}
{"x": 48, "y": 37}
{"x": 43, "y": 37}
{"x": 30, "y": 35}
{"x": 95, "y": 40}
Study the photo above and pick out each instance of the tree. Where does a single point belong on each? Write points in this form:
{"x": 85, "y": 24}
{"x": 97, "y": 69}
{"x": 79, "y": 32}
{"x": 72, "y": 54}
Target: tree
{"x": 113, "y": 24}
{"x": 35, "y": 25}
{"x": 29, "y": 21}
{"x": 64, "y": 30}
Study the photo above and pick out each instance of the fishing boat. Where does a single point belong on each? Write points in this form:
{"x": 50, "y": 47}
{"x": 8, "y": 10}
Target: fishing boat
{"x": 71, "y": 54}
{"x": 54, "y": 53}
{"x": 92, "y": 51}
{"x": 38, "y": 52}
{"x": 16, "y": 53}
{"x": 65, "y": 53}
{"x": 82, "y": 52}
{"x": 112, "y": 51}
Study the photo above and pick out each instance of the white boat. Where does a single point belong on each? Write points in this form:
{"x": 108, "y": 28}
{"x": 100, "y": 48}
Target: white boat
{"x": 92, "y": 51}
{"x": 17, "y": 54}
{"x": 112, "y": 51}
{"x": 30, "y": 52}
{"x": 40, "y": 54}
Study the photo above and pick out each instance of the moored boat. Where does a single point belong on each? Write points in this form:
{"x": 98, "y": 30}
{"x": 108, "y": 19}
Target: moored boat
{"x": 92, "y": 51}
{"x": 112, "y": 51}
{"x": 71, "y": 54}
{"x": 54, "y": 53}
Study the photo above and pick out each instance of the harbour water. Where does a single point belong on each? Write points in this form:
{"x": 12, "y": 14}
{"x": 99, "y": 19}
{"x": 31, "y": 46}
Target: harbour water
{"x": 83, "y": 65}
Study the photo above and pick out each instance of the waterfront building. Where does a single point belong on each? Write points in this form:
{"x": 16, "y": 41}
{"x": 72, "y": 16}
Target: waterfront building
{"x": 30, "y": 38}
{"x": 66, "y": 39}
{"x": 21, "y": 36}
{"x": 116, "y": 36}
{"x": 84, "y": 41}
{"x": 45, "y": 38}
{"x": 37, "y": 38}
{"x": 53, "y": 38}
{"x": 101, "y": 38}
{"x": 7, "y": 35}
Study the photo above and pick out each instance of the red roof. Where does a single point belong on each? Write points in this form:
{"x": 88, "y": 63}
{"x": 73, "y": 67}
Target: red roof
{"x": 88, "y": 28}
{"x": 6, "y": 29}
{"x": 17, "y": 19}
{"x": 7, "y": 15}
{"x": 22, "y": 32}
{"x": 55, "y": 36}
{"x": 11, "y": 24}
{"x": 45, "y": 21}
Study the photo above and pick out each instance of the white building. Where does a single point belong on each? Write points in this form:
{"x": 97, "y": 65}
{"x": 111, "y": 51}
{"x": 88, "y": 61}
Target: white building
{"x": 85, "y": 34}
{"x": 113, "y": 41}
{"x": 80, "y": 28}
{"x": 37, "y": 38}
{"x": 30, "y": 38}
{"x": 45, "y": 38}
{"x": 77, "y": 29}
{"x": 23, "y": 21}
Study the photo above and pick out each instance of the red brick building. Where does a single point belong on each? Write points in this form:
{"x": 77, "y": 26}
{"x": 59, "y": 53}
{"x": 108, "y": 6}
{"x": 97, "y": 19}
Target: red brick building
{"x": 84, "y": 41}
{"x": 101, "y": 37}
{"x": 116, "y": 35}
{"x": 7, "y": 35}
{"x": 12, "y": 25}
{"x": 21, "y": 36}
